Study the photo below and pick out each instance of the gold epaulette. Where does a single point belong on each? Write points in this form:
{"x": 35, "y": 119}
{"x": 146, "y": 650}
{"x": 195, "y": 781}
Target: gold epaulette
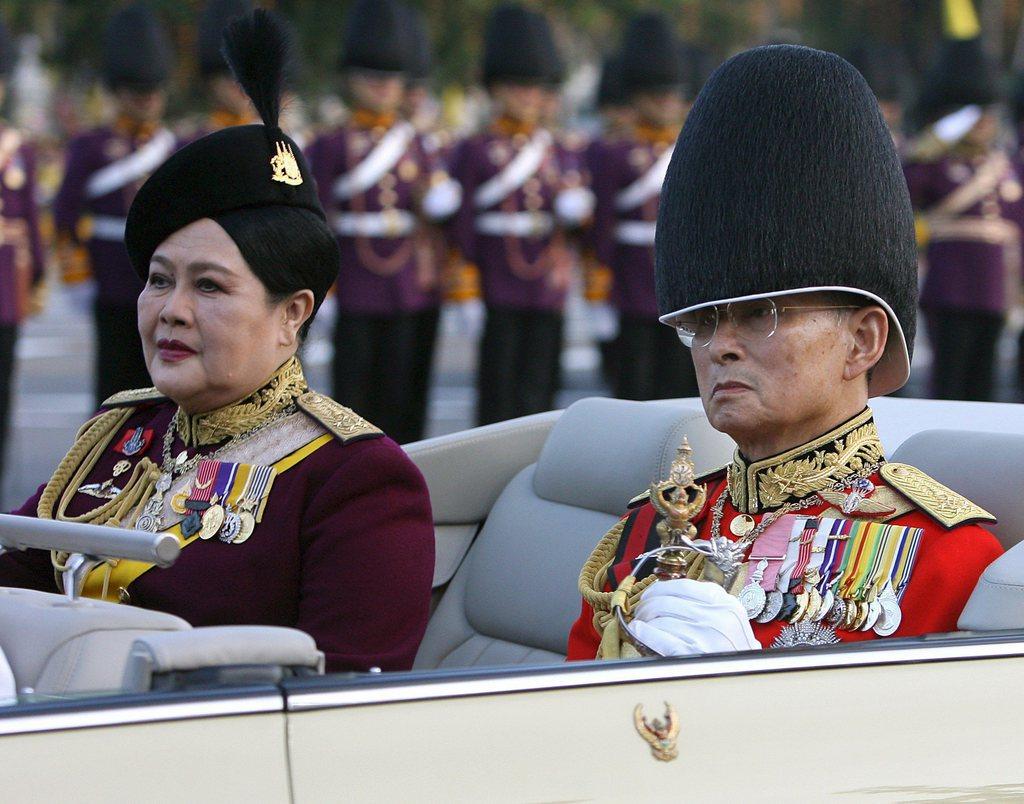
{"x": 134, "y": 397}
{"x": 940, "y": 503}
{"x": 644, "y": 496}
{"x": 343, "y": 423}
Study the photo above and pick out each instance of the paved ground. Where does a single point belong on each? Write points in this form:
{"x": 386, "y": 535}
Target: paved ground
{"x": 53, "y": 396}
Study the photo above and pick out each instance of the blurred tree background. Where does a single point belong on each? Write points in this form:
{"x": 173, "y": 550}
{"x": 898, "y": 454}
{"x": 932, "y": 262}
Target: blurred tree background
{"x": 71, "y": 30}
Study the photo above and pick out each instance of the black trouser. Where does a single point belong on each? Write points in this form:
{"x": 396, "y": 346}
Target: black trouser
{"x": 382, "y": 369}
{"x": 8, "y": 339}
{"x": 964, "y": 353}
{"x": 520, "y": 363}
{"x": 652, "y": 363}
{"x": 120, "y": 365}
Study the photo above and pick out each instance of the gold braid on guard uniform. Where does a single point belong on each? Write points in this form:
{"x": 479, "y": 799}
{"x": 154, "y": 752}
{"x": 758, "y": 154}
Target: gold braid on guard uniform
{"x": 91, "y": 442}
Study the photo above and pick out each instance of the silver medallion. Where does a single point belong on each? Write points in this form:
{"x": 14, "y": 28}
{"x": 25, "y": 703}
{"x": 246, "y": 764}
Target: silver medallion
{"x": 838, "y": 612}
{"x": 874, "y": 612}
{"x": 805, "y": 634}
{"x": 231, "y": 528}
{"x": 147, "y": 522}
{"x": 752, "y": 597}
{"x": 772, "y": 607}
{"x": 891, "y": 616}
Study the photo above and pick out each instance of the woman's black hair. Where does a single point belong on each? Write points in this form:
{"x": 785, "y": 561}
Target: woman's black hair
{"x": 288, "y": 249}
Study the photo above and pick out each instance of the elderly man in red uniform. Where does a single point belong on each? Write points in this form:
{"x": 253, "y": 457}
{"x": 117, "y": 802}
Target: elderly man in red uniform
{"x": 788, "y": 268}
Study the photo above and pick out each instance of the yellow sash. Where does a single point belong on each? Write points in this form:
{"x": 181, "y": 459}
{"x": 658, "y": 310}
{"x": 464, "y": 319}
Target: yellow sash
{"x": 108, "y": 580}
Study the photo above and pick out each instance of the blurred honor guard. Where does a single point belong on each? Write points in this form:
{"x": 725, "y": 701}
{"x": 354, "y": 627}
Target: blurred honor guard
{"x": 21, "y": 251}
{"x": 967, "y": 195}
{"x": 509, "y": 226}
{"x": 886, "y": 70}
{"x": 626, "y": 177}
{"x": 372, "y": 175}
{"x": 285, "y": 502}
{"x": 809, "y": 536}
{"x": 104, "y": 169}
{"x": 229, "y": 104}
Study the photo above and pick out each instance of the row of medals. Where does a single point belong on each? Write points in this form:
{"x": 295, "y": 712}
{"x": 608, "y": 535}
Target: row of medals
{"x": 208, "y": 519}
{"x": 880, "y": 612}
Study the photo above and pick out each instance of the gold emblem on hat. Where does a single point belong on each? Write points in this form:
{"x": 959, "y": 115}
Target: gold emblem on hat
{"x": 284, "y": 165}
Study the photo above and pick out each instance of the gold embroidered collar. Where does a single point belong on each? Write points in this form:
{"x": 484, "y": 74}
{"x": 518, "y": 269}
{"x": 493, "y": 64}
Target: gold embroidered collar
{"x": 848, "y": 449}
{"x": 202, "y": 429}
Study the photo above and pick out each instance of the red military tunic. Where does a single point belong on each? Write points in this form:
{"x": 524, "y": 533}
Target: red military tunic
{"x": 949, "y": 559}
{"x": 344, "y": 549}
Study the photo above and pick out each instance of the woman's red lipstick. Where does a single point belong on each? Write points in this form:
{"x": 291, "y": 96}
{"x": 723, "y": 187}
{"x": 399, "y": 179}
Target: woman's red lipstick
{"x": 173, "y": 351}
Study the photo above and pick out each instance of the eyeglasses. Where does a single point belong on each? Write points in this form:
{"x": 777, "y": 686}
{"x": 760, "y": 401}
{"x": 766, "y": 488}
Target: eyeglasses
{"x": 754, "y": 320}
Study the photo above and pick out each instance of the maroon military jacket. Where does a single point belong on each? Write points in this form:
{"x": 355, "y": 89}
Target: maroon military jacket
{"x": 384, "y": 274}
{"x": 344, "y": 551}
{"x": 21, "y": 249}
{"x": 614, "y": 167}
{"x": 517, "y": 272}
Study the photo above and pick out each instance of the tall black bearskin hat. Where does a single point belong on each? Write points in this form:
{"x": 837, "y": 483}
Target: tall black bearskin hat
{"x": 611, "y": 89}
{"x": 884, "y": 67}
{"x": 517, "y": 49}
{"x": 554, "y": 63}
{"x": 421, "y": 51}
{"x": 651, "y": 58}
{"x": 376, "y": 38}
{"x": 215, "y": 18}
{"x": 962, "y": 74}
{"x": 785, "y": 180}
{"x": 7, "y": 54}
{"x": 252, "y": 180}
{"x": 697, "y": 64}
{"x": 137, "y": 51}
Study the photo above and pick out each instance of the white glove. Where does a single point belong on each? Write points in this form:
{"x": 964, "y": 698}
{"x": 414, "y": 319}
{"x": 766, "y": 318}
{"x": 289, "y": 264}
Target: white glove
{"x": 604, "y": 321}
{"x": 442, "y": 200}
{"x": 467, "y": 317}
{"x": 81, "y": 295}
{"x": 574, "y": 206}
{"x": 688, "y": 618}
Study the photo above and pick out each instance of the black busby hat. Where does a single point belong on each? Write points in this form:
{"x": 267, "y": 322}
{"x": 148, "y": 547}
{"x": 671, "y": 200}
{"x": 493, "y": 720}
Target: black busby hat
{"x": 611, "y": 89}
{"x": 962, "y": 75}
{"x": 554, "y": 64}
{"x": 238, "y": 171}
{"x": 137, "y": 51}
{"x": 518, "y": 47}
{"x": 376, "y": 38}
{"x": 7, "y": 54}
{"x": 785, "y": 180}
{"x": 885, "y": 67}
{"x": 216, "y": 16}
{"x": 421, "y": 52}
{"x": 651, "y": 56}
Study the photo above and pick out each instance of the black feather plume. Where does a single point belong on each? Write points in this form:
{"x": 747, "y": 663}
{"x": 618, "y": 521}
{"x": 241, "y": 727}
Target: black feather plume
{"x": 257, "y": 47}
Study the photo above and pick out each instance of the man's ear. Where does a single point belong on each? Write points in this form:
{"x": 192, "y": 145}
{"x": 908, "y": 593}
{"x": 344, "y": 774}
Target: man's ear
{"x": 869, "y": 332}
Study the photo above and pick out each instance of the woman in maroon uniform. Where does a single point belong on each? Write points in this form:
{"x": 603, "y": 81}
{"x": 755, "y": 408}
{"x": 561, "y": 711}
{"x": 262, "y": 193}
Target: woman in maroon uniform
{"x": 291, "y": 509}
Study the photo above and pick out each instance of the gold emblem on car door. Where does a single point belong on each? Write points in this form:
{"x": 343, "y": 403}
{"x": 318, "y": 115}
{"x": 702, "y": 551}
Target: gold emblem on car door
{"x": 661, "y": 735}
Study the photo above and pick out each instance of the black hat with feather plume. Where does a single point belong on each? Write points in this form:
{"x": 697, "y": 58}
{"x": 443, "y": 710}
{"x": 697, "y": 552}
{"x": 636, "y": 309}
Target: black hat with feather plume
{"x": 217, "y": 14}
{"x": 240, "y": 172}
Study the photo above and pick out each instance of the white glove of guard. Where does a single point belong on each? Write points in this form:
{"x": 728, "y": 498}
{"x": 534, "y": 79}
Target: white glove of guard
{"x": 688, "y": 618}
